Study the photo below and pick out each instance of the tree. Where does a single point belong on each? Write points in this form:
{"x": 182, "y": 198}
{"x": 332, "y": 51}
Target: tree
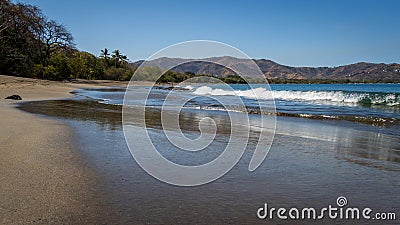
{"x": 119, "y": 59}
{"x": 105, "y": 54}
{"x": 54, "y": 36}
{"x": 27, "y": 39}
{"x": 85, "y": 65}
{"x": 19, "y": 46}
{"x": 116, "y": 56}
{"x": 31, "y": 45}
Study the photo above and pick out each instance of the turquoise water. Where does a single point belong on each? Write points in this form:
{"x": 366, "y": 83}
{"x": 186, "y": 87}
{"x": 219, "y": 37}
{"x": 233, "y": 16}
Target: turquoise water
{"x": 372, "y": 103}
{"x": 375, "y": 104}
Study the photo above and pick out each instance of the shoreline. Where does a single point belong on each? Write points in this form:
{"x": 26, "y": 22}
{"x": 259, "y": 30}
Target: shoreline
{"x": 45, "y": 178}
{"x": 308, "y": 157}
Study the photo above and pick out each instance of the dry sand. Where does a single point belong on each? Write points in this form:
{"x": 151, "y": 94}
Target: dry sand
{"x": 44, "y": 178}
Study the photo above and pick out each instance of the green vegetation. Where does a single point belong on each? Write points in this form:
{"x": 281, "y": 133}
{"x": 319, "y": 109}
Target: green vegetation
{"x": 175, "y": 77}
{"x": 33, "y": 46}
{"x": 151, "y": 73}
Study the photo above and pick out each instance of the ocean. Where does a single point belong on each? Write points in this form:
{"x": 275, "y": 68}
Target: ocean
{"x": 375, "y": 104}
{"x": 330, "y": 140}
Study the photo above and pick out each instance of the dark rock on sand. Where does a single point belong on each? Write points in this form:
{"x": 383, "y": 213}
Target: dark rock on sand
{"x": 15, "y": 97}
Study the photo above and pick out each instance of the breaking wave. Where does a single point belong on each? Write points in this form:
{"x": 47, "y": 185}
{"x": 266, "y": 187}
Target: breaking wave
{"x": 361, "y": 98}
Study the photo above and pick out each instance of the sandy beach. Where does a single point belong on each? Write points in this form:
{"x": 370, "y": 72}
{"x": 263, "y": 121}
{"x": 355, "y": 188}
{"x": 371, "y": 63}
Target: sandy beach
{"x": 44, "y": 179}
{"x": 67, "y": 162}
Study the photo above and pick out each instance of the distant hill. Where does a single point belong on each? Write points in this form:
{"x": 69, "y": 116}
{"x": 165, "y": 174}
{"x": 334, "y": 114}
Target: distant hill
{"x": 272, "y": 70}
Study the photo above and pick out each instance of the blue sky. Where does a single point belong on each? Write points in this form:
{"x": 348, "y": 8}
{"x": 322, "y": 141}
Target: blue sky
{"x": 297, "y": 33}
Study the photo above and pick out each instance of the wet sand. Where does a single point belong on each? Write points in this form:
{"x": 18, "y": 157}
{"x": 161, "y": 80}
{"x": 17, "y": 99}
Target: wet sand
{"x": 44, "y": 178}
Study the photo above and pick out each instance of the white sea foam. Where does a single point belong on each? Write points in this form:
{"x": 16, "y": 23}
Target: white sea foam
{"x": 104, "y": 100}
{"x": 257, "y": 93}
{"x": 316, "y": 96}
{"x": 188, "y": 87}
{"x": 332, "y": 96}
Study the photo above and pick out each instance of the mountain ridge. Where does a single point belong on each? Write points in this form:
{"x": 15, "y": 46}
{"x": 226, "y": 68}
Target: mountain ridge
{"x": 353, "y": 72}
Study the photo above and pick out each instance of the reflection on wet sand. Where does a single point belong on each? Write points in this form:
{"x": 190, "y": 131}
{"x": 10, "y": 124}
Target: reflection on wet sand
{"x": 362, "y": 147}
{"x": 311, "y": 163}
{"x": 84, "y": 110}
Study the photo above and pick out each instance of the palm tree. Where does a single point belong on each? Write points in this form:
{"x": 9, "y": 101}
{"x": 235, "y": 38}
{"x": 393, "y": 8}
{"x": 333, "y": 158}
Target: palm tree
{"x": 124, "y": 58}
{"x": 105, "y": 54}
{"x": 119, "y": 58}
{"x": 116, "y": 56}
